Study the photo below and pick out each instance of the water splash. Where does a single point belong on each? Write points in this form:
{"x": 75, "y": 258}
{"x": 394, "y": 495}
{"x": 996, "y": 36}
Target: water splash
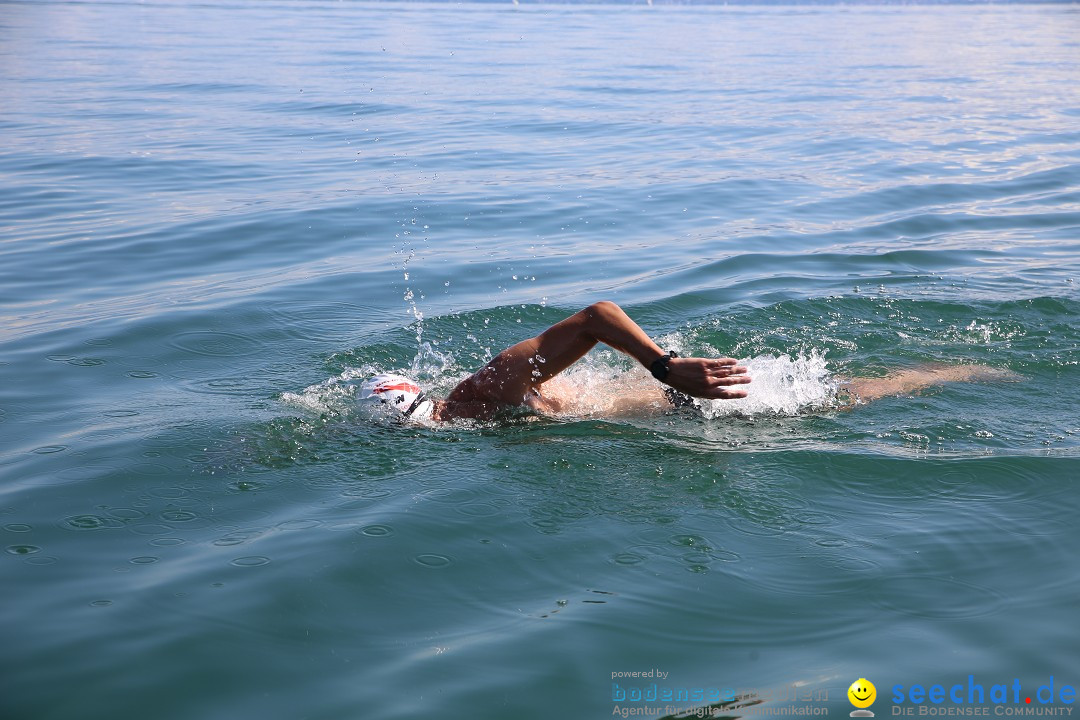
{"x": 430, "y": 365}
{"x": 410, "y": 298}
{"x": 335, "y": 396}
{"x": 782, "y": 385}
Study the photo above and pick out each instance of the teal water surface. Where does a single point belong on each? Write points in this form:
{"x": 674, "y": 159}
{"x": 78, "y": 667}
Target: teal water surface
{"x": 215, "y": 217}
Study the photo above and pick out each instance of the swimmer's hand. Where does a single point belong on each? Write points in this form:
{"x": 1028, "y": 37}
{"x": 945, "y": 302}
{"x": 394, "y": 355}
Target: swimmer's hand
{"x": 707, "y": 377}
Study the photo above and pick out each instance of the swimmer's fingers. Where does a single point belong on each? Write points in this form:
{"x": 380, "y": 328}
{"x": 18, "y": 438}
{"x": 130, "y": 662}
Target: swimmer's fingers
{"x": 730, "y": 380}
{"x": 722, "y": 394}
{"x": 711, "y": 369}
{"x": 715, "y": 363}
{"x": 727, "y": 370}
{"x": 719, "y": 387}
{"x": 707, "y": 378}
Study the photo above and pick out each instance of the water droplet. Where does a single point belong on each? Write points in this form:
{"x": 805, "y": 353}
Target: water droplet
{"x": 86, "y": 362}
{"x": 144, "y": 560}
{"x": 377, "y": 530}
{"x": 432, "y": 560}
{"x": 178, "y": 515}
{"x": 18, "y": 527}
{"x": 238, "y": 538}
{"x": 85, "y": 522}
{"x": 695, "y": 541}
{"x": 251, "y": 561}
{"x": 101, "y": 603}
{"x": 23, "y": 549}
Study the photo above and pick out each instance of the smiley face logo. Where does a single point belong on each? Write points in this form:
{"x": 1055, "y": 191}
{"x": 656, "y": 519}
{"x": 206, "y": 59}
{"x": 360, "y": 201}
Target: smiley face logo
{"x": 862, "y": 694}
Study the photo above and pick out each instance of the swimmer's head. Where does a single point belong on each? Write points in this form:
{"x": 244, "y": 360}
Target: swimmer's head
{"x": 399, "y": 393}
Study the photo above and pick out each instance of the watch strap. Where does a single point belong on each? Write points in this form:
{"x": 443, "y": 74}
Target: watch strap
{"x": 660, "y": 366}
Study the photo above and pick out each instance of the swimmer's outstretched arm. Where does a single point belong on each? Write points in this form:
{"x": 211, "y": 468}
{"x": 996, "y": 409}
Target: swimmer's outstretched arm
{"x": 913, "y": 380}
{"x": 515, "y": 372}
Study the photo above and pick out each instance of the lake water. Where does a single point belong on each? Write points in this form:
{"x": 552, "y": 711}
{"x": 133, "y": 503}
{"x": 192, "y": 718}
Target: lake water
{"x": 215, "y": 216}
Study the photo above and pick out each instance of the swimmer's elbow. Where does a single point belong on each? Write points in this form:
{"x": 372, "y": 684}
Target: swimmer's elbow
{"x": 603, "y": 309}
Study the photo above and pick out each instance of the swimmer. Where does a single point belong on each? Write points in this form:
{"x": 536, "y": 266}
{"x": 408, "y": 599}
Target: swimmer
{"x": 517, "y": 375}
{"x": 526, "y": 375}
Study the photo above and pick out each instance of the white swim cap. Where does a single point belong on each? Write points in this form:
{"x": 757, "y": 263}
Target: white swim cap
{"x": 400, "y": 393}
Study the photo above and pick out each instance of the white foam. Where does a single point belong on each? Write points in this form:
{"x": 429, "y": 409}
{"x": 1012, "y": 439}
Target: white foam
{"x": 329, "y": 397}
{"x": 782, "y": 385}
{"x": 336, "y": 395}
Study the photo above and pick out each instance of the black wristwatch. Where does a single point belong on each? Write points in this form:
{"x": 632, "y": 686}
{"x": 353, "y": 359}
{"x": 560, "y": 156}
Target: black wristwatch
{"x": 659, "y": 367}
